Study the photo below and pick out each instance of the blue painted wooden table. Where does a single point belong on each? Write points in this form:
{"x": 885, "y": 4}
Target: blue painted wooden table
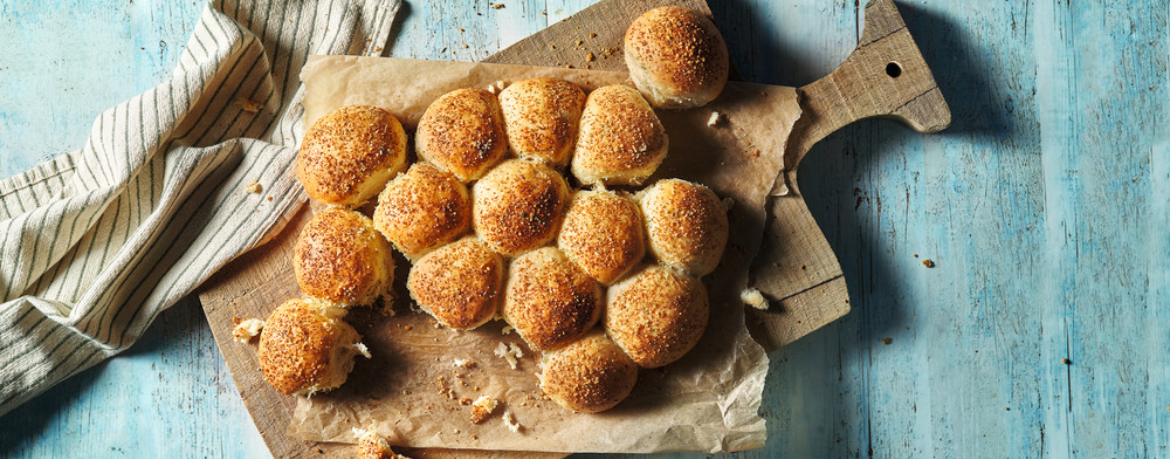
{"x": 1045, "y": 208}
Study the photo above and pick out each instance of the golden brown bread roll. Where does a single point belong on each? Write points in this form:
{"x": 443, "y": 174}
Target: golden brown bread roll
{"x": 676, "y": 57}
{"x": 589, "y": 375}
{"x": 307, "y": 348}
{"x": 541, "y": 116}
{"x": 349, "y": 155}
{"x": 422, "y": 209}
{"x": 462, "y": 132}
{"x": 549, "y": 300}
{"x": 603, "y": 234}
{"x": 656, "y": 315}
{"x": 686, "y": 225}
{"x": 621, "y": 140}
{"x": 518, "y": 206}
{"x": 458, "y": 284}
{"x": 339, "y": 257}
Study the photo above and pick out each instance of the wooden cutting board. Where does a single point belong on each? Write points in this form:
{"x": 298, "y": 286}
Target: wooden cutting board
{"x": 804, "y": 298}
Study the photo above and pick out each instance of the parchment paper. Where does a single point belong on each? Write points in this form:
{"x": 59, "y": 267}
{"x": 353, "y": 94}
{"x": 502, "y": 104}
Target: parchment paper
{"x": 410, "y": 391}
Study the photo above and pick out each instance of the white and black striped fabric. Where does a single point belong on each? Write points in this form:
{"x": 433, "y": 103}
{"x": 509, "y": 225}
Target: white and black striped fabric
{"x": 94, "y": 244}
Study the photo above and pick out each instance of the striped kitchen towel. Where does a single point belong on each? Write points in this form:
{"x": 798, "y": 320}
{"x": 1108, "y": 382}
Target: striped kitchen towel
{"x": 170, "y": 186}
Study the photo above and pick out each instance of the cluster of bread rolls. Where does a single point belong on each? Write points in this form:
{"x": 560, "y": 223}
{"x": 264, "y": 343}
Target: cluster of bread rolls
{"x": 494, "y": 229}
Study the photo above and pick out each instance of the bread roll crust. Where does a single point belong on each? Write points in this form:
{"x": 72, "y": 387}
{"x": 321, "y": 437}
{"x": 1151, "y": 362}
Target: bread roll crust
{"x": 686, "y": 225}
{"x": 348, "y": 155}
{"x": 462, "y": 132}
{"x": 604, "y": 234}
{"x": 549, "y": 300}
{"x": 541, "y": 116}
{"x": 458, "y": 284}
{"x": 518, "y": 206}
{"x": 339, "y": 257}
{"x": 422, "y": 209}
{"x": 306, "y": 347}
{"x": 676, "y": 57}
{"x": 657, "y": 315}
{"x": 621, "y": 142}
{"x": 588, "y": 375}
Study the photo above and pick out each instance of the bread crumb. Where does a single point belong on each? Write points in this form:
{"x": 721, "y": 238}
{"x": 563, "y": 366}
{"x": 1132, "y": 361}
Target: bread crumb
{"x": 507, "y": 329}
{"x": 497, "y": 6}
{"x": 752, "y": 297}
{"x": 592, "y": 35}
{"x": 590, "y": 57}
{"x": 1066, "y": 361}
{"x": 482, "y": 408}
{"x": 511, "y": 422}
{"x": 247, "y": 329}
{"x": 509, "y": 352}
{"x": 254, "y": 187}
{"x": 887, "y": 340}
{"x": 363, "y": 350}
{"x": 715, "y": 118}
{"x": 928, "y": 263}
{"x": 464, "y": 363}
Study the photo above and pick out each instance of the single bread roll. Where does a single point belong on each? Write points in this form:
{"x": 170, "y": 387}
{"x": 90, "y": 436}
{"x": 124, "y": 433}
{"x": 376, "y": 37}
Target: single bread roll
{"x": 349, "y": 155}
{"x": 541, "y": 116}
{"x": 676, "y": 57}
{"x": 621, "y": 142}
{"x": 422, "y": 209}
{"x": 657, "y": 315}
{"x": 589, "y": 375}
{"x": 463, "y": 133}
{"x": 686, "y": 225}
{"x": 518, "y": 206}
{"x": 603, "y": 234}
{"x": 458, "y": 284}
{"x": 340, "y": 258}
{"x": 549, "y": 300}
{"x": 306, "y": 347}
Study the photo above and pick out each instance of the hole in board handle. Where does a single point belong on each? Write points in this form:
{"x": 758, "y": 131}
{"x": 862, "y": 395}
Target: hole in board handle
{"x": 893, "y": 70}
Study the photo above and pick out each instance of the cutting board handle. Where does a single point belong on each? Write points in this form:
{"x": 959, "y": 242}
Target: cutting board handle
{"x": 885, "y": 76}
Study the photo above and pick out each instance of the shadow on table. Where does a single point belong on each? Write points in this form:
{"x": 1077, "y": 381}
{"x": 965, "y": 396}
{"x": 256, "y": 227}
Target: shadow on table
{"x": 66, "y": 408}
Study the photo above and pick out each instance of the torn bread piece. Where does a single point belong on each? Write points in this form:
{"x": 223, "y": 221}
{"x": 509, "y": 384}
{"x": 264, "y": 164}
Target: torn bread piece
{"x": 464, "y": 363}
{"x": 511, "y": 422}
{"x": 510, "y": 352}
{"x": 482, "y": 408}
{"x": 247, "y": 329}
{"x": 373, "y": 446}
{"x": 752, "y": 297}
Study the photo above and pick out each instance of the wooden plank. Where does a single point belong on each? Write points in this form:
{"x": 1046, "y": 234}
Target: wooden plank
{"x": 884, "y": 76}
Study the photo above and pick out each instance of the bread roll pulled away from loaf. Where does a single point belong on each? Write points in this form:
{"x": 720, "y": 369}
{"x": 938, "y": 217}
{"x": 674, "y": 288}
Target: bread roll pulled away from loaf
{"x": 307, "y": 348}
{"x": 348, "y": 155}
{"x": 676, "y": 57}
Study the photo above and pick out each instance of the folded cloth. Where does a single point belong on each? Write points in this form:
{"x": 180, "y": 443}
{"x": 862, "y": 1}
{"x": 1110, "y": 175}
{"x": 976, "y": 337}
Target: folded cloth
{"x": 170, "y": 186}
